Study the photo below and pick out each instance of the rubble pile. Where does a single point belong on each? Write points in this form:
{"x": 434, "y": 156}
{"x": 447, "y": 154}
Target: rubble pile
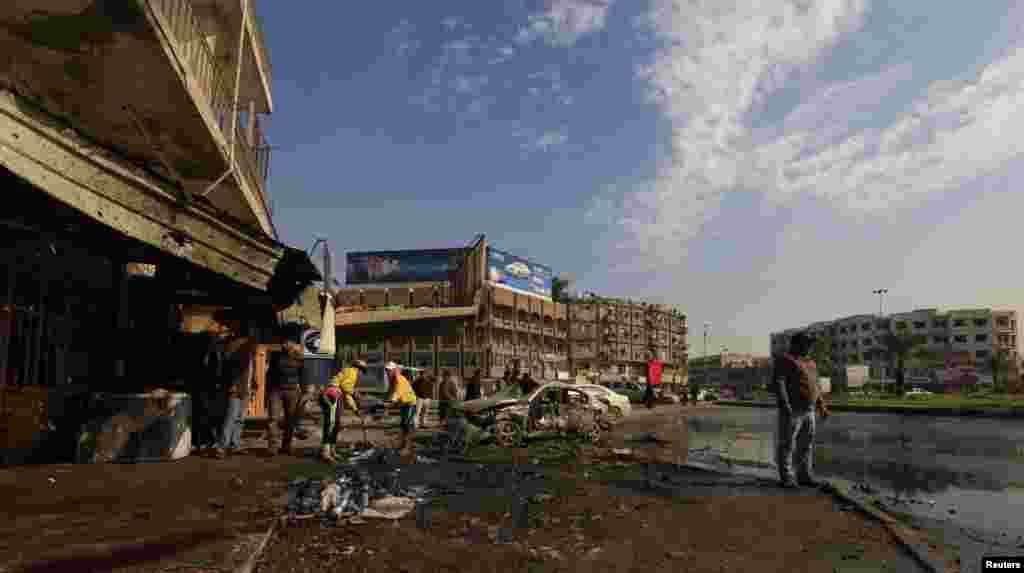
{"x": 366, "y": 486}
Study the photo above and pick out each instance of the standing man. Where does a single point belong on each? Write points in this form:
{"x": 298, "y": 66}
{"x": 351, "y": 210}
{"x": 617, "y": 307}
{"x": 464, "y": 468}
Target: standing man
{"x": 795, "y": 380}
{"x": 473, "y": 391}
{"x": 402, "y": 394}
{"x": 338, "y": 395}
{"x": 424, "y": 389}
{"x": 449, "y": 395}
{"x": 238, "y": 371}
{"x": 283, "y": 382}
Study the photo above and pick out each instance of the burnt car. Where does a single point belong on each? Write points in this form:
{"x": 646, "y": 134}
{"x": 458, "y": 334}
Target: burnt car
{"x": 555, "y": 408}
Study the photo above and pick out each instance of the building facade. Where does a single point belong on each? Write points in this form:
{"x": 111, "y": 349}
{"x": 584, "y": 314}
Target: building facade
{"x": 606, "y": 338}
{"x": 735, "y": 374}
{"x": 970, "y": 336}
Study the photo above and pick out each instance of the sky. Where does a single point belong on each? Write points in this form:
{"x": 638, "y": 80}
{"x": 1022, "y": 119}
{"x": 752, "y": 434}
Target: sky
{"x": 761, "y": 164}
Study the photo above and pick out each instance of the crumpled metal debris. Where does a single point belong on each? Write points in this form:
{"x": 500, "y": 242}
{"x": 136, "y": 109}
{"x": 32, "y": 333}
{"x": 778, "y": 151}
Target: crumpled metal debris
{"x": 356, "y": 491}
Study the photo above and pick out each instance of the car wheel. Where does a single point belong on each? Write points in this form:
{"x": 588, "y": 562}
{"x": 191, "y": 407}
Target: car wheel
{"x": 507, "y": 433}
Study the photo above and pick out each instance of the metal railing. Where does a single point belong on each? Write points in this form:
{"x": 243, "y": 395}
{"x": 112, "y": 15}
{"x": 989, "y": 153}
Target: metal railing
{"x": 259, "y": 45}
{"x": 215, "y": 84}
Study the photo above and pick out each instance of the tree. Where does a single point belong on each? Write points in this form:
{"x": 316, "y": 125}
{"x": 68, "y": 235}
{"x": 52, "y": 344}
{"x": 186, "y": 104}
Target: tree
{"x": 558, "y": 289}
{"x": 821, "y": 352}
{"x": 900, "y": 347}
{"x": 999, "y": 361}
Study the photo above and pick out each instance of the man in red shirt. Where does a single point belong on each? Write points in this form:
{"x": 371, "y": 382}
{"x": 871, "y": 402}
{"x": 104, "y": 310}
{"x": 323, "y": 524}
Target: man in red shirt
{"x": 795, "y": 380}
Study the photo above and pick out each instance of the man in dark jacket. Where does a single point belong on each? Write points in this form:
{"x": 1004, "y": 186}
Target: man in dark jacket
{"x": 795, "y": 381}
{"x": 473, "y": 391}
{"x": 284, "y": 380}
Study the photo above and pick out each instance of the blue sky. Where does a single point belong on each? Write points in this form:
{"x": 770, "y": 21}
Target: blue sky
{"x": 761, "y": 164}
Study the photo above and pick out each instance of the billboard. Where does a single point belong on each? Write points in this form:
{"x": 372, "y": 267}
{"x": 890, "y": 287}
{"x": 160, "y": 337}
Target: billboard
{"x": 518, "y": 274}
{"x": 421, "y": 266}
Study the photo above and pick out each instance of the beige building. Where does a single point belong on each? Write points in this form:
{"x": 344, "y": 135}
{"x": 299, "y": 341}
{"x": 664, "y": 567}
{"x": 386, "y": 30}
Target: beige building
{"x": 613, "y": 339}
{"x": 976, "y": 334}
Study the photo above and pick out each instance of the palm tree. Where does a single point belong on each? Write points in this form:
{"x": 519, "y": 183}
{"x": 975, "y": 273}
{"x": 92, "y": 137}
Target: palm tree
{"x": 901, "y": 347}
{"x": 1000, "y": 361}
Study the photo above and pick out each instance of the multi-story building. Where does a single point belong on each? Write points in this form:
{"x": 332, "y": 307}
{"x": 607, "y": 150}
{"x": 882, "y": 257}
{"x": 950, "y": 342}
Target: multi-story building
{"x": 513, "y": 326}
{"x": 972, "y": 334}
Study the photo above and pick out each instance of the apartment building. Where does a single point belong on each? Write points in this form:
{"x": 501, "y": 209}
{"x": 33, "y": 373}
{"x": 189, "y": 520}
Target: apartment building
{"x": 968, "y": 334}
{"x": 512, "y": 326}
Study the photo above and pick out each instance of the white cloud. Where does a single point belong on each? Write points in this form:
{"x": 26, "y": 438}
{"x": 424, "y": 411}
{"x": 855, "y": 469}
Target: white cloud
{"x": 723, "y": 59}
{"x": 545, "y": 141}
{"x": 564, "y": 22}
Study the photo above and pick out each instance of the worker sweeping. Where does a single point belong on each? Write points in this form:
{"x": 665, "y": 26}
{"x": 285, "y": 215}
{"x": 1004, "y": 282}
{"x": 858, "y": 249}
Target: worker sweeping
{"x": 335, "y": 398}
{"x": 401, "y": 393}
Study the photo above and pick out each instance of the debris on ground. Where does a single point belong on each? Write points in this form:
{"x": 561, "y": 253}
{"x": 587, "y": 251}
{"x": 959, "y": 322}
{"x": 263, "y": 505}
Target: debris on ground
{"x": 356, "y": 491}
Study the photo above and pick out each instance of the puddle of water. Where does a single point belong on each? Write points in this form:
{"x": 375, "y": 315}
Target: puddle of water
{"x": 969, "y": 470}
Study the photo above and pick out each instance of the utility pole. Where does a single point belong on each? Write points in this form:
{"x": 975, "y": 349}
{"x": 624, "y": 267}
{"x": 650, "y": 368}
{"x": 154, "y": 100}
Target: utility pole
{"x": 881, "y": 317}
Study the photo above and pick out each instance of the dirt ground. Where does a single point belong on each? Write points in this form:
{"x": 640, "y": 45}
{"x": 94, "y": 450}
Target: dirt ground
{"x": 591, "y": 510}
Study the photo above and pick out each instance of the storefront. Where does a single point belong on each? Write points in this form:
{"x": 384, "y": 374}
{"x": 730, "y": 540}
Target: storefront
{"x": 88, "y": 312}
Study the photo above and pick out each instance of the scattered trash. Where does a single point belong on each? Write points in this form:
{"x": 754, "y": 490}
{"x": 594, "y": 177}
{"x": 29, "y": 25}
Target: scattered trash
{"x": 365, "y": 486}
{"x": 622, "y": 451}
{"x": 425, "y": 460}
{"x": 952, "y": 511}
{"x": 52, "y": 480}
{"x": 674, "y": 554}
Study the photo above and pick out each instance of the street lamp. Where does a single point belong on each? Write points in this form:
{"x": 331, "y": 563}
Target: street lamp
{"x": 707, "y": 329}
{"x": 881, "y": 316}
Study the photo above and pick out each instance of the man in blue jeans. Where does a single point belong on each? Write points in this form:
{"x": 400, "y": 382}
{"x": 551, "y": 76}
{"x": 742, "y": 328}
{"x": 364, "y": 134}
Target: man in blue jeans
{"x": 795, "y": 381}
{"x": 238, "y": 372}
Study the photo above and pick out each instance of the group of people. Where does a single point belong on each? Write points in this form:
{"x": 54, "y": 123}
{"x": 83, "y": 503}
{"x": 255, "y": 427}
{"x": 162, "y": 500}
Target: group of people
{"x": 225, "y": 378}
{"x": 515, "y": 376}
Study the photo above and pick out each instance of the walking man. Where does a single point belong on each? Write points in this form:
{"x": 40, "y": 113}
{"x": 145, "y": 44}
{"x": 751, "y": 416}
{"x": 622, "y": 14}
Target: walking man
{"x": 795, "y": 380}
{"x": 338, "y": 395}
{"x": 285, "y": 377}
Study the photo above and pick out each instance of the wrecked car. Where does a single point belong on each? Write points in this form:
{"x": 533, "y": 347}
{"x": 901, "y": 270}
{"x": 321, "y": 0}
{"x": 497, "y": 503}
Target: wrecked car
{"x": 555, "y": 408}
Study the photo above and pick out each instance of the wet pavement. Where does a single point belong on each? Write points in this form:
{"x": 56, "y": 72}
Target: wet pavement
{"x": 961, "y": 476}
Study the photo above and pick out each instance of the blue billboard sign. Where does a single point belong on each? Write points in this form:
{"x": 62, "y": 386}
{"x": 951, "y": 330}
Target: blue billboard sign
{"x": 518, "y": 273}
{"x": 420, "y": 266}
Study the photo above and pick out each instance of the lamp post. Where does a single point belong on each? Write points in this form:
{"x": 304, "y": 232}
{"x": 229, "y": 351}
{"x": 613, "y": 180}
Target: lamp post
{"x": 707, "y": 330}
{"x": 881, "y": 316}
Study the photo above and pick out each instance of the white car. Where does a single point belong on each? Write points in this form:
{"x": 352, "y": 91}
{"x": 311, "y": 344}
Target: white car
{"x": 618, "y": 405}
{"x": 916, "y": 392}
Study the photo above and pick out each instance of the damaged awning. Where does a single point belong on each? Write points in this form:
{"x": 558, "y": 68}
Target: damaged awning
{"x": 136, "y": 204}
{"x": 377, "y": 324}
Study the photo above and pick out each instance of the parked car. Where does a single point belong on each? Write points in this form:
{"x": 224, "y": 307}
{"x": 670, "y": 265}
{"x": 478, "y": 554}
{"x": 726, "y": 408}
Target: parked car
{"x": 917, "y": 392}
{"x": 618, "y": 405}
{"x": 554, "y": 408}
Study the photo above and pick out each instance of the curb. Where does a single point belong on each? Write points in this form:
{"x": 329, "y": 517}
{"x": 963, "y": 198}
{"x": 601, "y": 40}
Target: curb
{"x": 892, "y": 526}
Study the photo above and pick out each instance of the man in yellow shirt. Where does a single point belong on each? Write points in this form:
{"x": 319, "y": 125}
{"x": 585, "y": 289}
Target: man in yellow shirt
{"x": 339, "y": 392}
{"x": 402, "y": 394}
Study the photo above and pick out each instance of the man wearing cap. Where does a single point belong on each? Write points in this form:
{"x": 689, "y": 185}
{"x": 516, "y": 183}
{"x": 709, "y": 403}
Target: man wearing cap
{"x": 339, "y": 394}
{"x": 795, "y": 380}
{"x": 402, "y": 394}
